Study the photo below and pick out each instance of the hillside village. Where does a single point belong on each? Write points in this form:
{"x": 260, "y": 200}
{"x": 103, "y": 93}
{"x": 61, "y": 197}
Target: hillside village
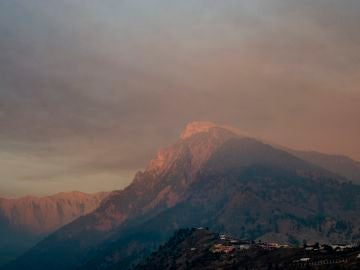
{"x": 199, "y": 248}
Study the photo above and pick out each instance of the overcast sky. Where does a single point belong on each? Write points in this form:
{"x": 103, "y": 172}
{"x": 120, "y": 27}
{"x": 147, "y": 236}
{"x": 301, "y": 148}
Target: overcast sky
{"x": 90, "y": 89}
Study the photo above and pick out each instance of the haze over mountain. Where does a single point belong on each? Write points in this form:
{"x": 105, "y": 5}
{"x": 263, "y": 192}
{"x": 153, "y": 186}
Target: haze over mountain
{"x": 214, "y": 177}
{"x": 90, "y": 90}
{"x": 25, "y": 221}
{"x": 339, "y": 164}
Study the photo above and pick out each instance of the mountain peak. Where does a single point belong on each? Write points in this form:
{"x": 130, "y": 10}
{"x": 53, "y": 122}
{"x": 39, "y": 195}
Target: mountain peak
{"x": 197, "y": 149}
{"x": 204, "y": 126}
{"x": 196, "y": 127}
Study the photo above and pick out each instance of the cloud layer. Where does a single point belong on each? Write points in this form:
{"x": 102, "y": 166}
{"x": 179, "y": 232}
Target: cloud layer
{"x": 90, "y": 89}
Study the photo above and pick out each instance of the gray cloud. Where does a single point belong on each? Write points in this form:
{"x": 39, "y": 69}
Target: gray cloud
{"x": 91, "y": 90}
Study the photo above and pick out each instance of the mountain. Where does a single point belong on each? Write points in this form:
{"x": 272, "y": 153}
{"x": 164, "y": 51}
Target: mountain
{"x": 25, "y": 221}
{"x": 338, "y": 164}
{"x": 210, "y": 177}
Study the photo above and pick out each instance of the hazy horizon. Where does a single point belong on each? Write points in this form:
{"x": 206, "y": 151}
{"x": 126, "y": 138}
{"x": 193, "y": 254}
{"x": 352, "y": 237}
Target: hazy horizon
{"x": 90, "y": 90}
{"x": 132, "y": 174}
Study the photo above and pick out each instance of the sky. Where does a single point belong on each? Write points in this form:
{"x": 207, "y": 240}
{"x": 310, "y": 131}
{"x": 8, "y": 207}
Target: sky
{"x": 90, "y": 89}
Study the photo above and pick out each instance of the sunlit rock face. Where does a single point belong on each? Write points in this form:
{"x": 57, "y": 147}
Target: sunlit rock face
{"x": 41, "y": 216}
{"x": 166, "y": 177}
{"x": 196, "y": 143}
{"x": 196, "y": 127}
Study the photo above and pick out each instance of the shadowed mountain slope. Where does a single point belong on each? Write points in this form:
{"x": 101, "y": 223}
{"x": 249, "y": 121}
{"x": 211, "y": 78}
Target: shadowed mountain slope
{"x": 341, "y": 165}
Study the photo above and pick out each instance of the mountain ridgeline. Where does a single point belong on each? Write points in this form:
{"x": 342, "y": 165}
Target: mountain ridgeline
{"x": 211, "y": 177}
{"x": 25, "y": 221}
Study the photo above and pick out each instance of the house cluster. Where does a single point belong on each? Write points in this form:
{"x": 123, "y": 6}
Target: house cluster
{"x": 244, "y": 246}
{"x": 221, "y": 248}
{"x": 333, "y": 247}
{"x": 342, "y": 247}
{"x": 230, "y": 245}
{"x": 311, "y": 262}
{"x": 270, "y": 246}
{"x": 328, "y": 254}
